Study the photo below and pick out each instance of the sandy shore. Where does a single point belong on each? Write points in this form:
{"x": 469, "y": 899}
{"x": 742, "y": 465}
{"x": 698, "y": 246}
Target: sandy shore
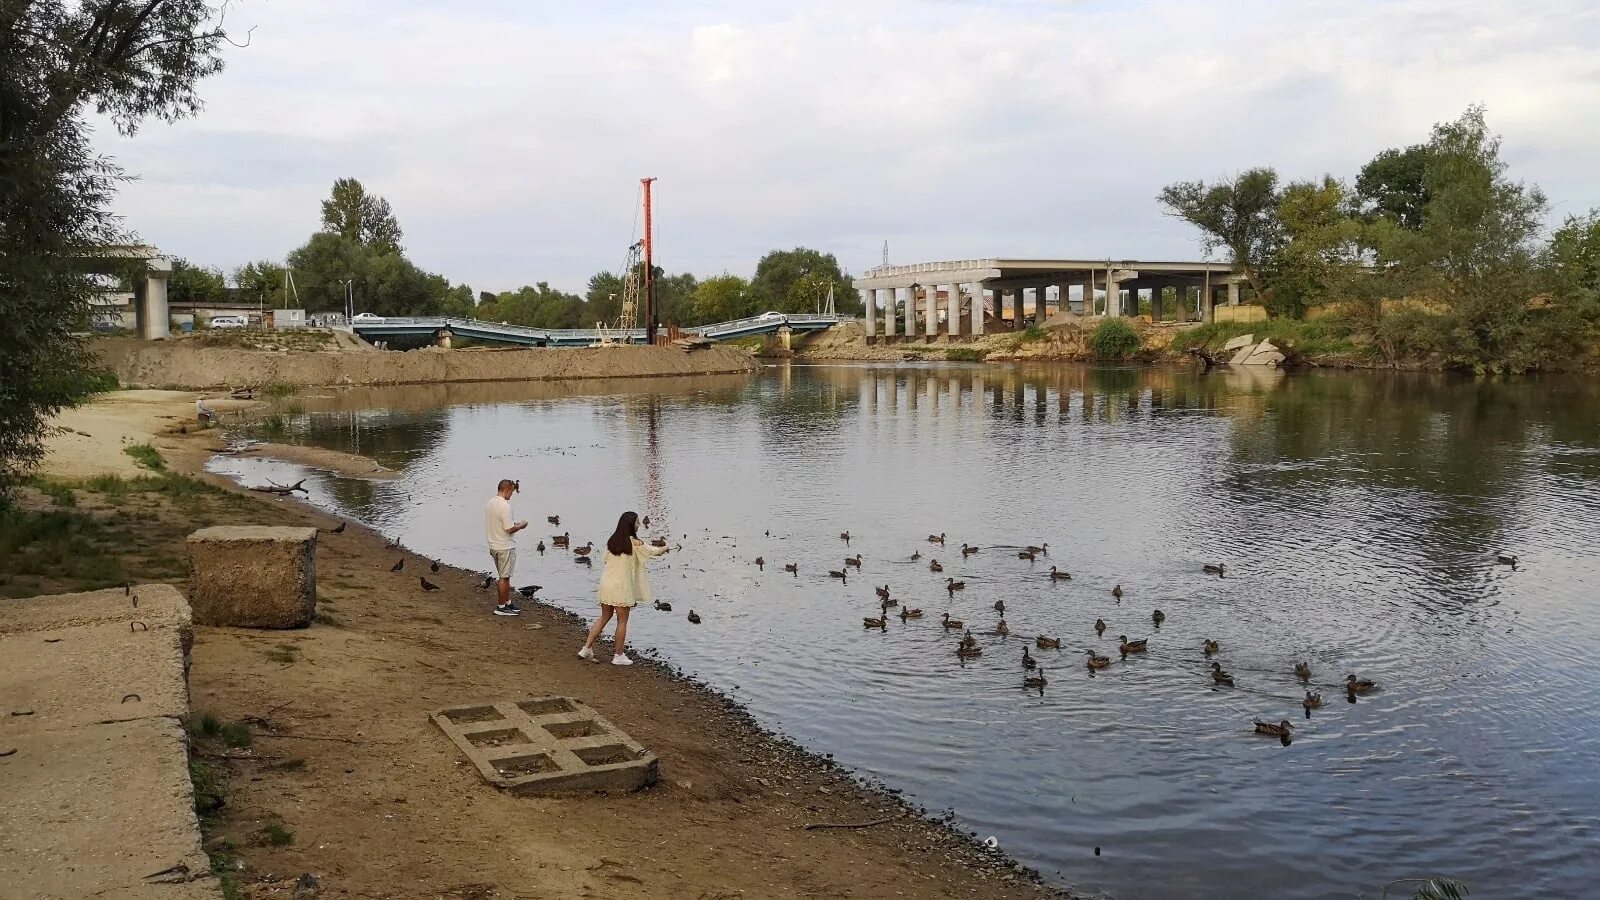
{"x": 380, "y": 805}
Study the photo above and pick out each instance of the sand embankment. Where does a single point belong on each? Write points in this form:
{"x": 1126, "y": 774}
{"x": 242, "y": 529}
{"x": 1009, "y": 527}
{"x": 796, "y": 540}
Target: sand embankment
{"x": 176, "y": 364}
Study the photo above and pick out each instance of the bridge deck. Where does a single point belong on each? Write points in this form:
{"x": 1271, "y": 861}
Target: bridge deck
{"x": 501, "y": 332}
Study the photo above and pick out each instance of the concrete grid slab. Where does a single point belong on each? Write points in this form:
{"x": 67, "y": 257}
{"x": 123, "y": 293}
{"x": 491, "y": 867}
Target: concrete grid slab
{"x": 547, "y": 745}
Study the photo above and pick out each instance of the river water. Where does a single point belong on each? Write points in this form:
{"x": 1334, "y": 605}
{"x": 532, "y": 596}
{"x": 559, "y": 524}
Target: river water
{"x": 1358, "y": 516}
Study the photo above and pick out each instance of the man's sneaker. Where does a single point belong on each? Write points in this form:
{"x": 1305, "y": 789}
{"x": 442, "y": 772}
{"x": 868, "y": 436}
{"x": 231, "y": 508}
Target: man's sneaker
{"x": 621, "y": 659}
{"x": 507, "y": 610}
{"x": 512, "y": 605}
{"x": 586, "y": 653}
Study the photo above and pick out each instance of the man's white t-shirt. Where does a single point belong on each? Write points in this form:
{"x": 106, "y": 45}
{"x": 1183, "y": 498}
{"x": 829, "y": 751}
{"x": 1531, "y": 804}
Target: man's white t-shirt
{"x": 497, "y": 524}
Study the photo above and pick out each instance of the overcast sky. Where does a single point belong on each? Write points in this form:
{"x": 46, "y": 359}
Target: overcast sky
{"x": 509, "y": 136}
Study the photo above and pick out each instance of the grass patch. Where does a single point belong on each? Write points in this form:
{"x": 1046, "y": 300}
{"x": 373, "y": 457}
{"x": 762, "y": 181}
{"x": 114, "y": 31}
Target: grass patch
{"x": 965, "y": 354}
{"x": 284, "y": 653}
{"x": 59, "y": 492}
{"x": 275, "y": 835}
{"x": 277, "y": 390}
{"x": 147, "y": 456}
{"x": 210, "y": 793}
{"x": 58, "y": 544}
{"x": 236, "y": 735}
{"x": 324, "y": 618}
{"x": 1033, "y": 333}
{"x": 1114, "y": 339}
{"x": 1321, "y": 337}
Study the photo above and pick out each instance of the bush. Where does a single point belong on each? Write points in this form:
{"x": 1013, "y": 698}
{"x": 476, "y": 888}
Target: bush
{"x": 965, "y": 354}
{"x": 146, "y": 455}
{"x": 1114, "y": 339}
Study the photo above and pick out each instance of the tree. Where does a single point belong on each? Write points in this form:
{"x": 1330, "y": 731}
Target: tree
{"x": 778, "y": 272}
{"x": 130, "y": 62}
{"x": 459, "y": 303}
{"x": 1394, "y": 185}
{"x": 263, "y": 282}
{"x": 604, "y": 297}
{"x": 1320, "y": 253}
{"x": 355, "y": 215}
{"x": 721, "y": 299}
{"x": 1572, "y": 257}
{"x": 190, "y": 283}
{"x": 1239, "y": 216}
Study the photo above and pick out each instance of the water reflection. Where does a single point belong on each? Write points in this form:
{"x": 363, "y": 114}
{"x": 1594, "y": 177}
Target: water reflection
{"x": 1357, "y": 514}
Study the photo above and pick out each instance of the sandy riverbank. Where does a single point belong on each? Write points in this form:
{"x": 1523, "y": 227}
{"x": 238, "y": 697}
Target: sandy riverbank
{"x": 380, "y": 805}
{"x": 190, "y": 365}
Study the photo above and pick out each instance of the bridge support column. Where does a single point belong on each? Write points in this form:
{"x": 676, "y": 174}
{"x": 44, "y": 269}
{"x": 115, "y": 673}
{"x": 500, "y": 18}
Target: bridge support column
{"x": 1233, "y": 293}
{"x": 911, "y": 311}
{"x": 869, "y": 304}
{"x": 931, "y": 317}
{"x": 889, "y": 312}
{"x": 977, "y": 309}
{"x": 1113, "y": 296}
{"x": 952, "y": 323}
{"x": 150, "y": 313}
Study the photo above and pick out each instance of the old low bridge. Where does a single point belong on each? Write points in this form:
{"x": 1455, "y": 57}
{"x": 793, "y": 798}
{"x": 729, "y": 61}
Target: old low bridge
{"x": 499, "y": 332}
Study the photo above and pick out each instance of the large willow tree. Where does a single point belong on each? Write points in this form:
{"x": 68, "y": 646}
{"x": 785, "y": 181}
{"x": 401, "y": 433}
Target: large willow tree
{"x": 129, "y": 61}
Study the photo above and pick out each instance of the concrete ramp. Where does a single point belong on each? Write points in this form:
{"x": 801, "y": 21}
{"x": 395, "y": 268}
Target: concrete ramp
{"x": 93, "y": 692}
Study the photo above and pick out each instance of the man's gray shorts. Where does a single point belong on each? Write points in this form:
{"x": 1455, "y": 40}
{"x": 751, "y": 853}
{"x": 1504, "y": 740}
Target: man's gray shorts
{"x": 504, "y": 561}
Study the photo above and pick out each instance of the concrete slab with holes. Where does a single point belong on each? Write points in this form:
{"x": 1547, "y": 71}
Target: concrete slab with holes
{"x": 547, "y": 745}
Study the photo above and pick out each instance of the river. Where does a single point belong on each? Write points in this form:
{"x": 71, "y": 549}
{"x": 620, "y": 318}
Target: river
{"x": 1358, "y": 515}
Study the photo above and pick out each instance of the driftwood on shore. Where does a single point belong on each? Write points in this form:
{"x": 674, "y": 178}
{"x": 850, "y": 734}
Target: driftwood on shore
{"x": 276, "y": 488}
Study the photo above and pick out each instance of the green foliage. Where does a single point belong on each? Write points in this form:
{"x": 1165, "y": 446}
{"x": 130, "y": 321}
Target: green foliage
{"x": 190, "y": 283}
{"x": 61, "y": 59}
{"x": 1321, "y": 248}
{"x": 235, "y": 734}
{"x": 1033, "y": 333}
{"x": 60, "y": 494}
{"x": 721, "y": 299}
{"x": 798, "y": 280}
{"x": 278, "y": 390}
{"x": 1238, "y": 215}
{"x": 965, "y": 354}
{"x": 263, "y": 281}
{"x": 1394, "y": 185}
{"x": 146, "y": 456}
{"x": 1431, "y": 888}
{"x": 1114, "y": 339}
{"x": 209, "y": 790}
{"x": 60, "y": 543}
{"x": 361, "y": 218}
{"x": 275, "y": 835}
{"x": 283, "y": 653}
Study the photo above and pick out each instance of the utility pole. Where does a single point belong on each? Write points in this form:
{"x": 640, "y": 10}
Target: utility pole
{"x": 649, "y": 270}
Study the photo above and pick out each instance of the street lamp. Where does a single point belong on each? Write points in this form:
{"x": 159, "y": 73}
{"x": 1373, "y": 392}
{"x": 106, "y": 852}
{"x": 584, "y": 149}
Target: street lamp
{"x": 349, "y": 298}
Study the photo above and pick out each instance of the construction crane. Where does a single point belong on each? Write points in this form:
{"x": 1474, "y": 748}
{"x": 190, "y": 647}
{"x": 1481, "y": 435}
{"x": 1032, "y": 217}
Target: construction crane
{"x": 638, "y": 284}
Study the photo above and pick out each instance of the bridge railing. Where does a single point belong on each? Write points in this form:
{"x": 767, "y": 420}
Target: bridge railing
{"x": 772, "y": 320}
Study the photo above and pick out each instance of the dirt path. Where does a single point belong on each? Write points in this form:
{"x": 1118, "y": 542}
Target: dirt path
{"x": 378, "y": 804}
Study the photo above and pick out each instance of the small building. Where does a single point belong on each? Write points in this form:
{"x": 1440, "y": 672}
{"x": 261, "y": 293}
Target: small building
{"x": 286, "y": 319}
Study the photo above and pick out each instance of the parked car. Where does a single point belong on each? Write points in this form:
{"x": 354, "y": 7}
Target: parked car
{"x": 229, "y": 322}
{"x": 366, "y": 317}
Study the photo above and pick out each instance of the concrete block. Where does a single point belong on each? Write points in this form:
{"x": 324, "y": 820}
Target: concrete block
{"x": 1243, "y": 340}
{"x": 547, "y": 745}
{"x": 91, "y": 674}
{"x": 253, "y": 576}
{"x": 1239, "y": 358}
{"x": 1264, "y": 354}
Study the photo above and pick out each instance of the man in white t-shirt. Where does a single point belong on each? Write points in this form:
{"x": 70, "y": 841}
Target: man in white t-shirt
{"x": 500, "y": 531}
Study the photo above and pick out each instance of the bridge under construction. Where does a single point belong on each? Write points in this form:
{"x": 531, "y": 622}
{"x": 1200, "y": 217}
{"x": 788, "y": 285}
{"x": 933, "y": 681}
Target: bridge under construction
{"x": 442, "y": 328}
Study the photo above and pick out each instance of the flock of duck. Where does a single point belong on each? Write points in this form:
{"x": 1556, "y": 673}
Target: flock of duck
{"x": 1034, "y": 676}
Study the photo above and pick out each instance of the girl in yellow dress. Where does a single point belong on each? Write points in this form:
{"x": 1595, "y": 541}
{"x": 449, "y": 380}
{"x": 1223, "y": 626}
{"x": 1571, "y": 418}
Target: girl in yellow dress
{"x": 623, "y": 585}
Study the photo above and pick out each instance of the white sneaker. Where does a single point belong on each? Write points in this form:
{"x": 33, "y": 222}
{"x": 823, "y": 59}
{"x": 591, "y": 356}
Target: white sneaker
{"x": 621, "y": 659}
{"x": 586, "y": 653}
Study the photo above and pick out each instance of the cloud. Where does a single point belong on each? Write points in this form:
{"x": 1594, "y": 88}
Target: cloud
{"x": 510, "y": 137}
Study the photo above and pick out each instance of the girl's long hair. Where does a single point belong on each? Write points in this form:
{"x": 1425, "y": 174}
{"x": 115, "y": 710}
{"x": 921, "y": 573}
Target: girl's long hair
{"x": 621, "y": 542}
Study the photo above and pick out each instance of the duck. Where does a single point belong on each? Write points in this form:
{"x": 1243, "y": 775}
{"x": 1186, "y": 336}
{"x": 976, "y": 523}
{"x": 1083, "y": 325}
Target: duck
{"x": 1359, "y": 685}
{"x": 553, "y": 520}
{"x": 965, "y": 652}
{"x": 844, "y": 536}
{"x": 1035, "y": 681}
{"x": 1096, "y": 661}
{"x": 883, "y": 592}
{"x": 1058, "y": 575}
{"x": 952, "y": 585}
{"x": 853, "y": 560}
{"x": 1000, "y": 607}
{"x": 1219, "y": 676}
{"x": 792, "y": 569}
{"x": 539, "y": 547}
{"x": 645, "y": 521}
{"x": 967, "y": 551}
{"x": 1158, "y": 617}
{"x": 935, "y": 567}
{"x": 936, "y": 538}
{"x": 881, "y": 622}
{"x": 888, "y": 603}
{"x": 1001, "y": 628}
{"x": 588, "y": 548}
{"x": 761, "y": 563}
{"x": 1100, "y": 627}
{"x": 967, "y": 640}
{"x": 835, "y": 573}
{"x": 953, "y": 623}
{"x": 1214, "y": 569}
{"x": 916, "y": 555}
{"x": 1047, "y": 643}
{"x": 1117, "y": 592}
{"x": 1282, "y": 729}
{"x": 1506, "y": 559}
{"x": 561, "y": 540}
{"x": 1042, "y": 549}
{"x": 1027, "y": 555}
{"x": 1210, "y": 646}
{"x": 1303, "y": 670}
{"x": 1312, "y": 701}
{"x": 907, "y": 612}
{"x": 694, "y": 617}
{"x": 1127, "y": 646}
{"x": 663, "y": 606}
{"x": 1028, "y": 661}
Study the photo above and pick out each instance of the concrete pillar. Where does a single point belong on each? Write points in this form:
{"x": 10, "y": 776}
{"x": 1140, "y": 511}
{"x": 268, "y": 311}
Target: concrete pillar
{"x": 931, "y": 317}
{"x": 441, "y": 339}
{"x": 1113, "y": 296}
{"x": 889, "y": 311}
{"x": 1088, "y": 296}
{"x": 151, "y": 310}
{"x": 1208, "y": 296}
{"x": 784, "y": 337}
{"x": 911, "y": 311}
{"x": 869, "y": 302}
{"x": 1233, "y": 293}
{"x": 1155, "y": 303}
{"x": 977, "y": 309}
{"x": 952, "y": 321}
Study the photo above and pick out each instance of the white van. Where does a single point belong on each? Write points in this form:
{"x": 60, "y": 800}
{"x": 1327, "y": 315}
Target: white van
{"x": 229, "y": 322}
